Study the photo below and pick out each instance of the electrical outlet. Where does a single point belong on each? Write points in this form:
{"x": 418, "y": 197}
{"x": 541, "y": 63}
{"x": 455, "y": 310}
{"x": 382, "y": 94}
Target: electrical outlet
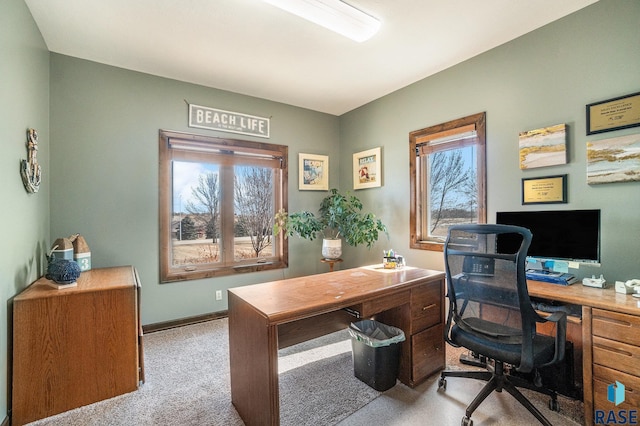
{"x": 218, "y": 294}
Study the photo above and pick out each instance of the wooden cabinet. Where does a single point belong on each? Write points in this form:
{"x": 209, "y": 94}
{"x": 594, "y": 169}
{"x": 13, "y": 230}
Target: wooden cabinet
{"x": 615, "y": 354}
{"x": 423, "y": 351}
{"x": 76, "y": 346}
{"x": 427, "y": 335}
{"x": 428, "y": 353}
{"x": 610, "y": 343}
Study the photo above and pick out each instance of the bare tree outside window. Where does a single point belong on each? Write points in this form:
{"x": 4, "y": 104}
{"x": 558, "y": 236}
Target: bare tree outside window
{"x": 218, "y": 198}
{"x": 206, "y": 199}
{"x": 254, "y": 206}
{"x": 447, "y": 179}
{"x": 452, "y": 174}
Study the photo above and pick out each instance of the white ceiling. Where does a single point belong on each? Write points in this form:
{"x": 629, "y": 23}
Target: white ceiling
{"x": 253, "y": 48}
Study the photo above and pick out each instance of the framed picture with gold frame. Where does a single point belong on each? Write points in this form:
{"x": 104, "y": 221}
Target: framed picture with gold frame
{"x": 313, "y": 172}
{"x": 544, "y": 190}
{"x": 367, "y": 169}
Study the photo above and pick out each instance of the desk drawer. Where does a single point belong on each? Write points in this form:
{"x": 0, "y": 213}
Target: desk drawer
{"x": 372, "y": 307}
{"x": 603, "y": 377}
{"x": 428, "y": 352}
{"x": 617, "y": 355}
{"x": 426, "y": 306}
{"x": 616, "y": 326}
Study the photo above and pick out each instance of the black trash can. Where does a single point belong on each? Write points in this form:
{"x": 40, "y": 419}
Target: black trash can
{"x": 376, "y": 353}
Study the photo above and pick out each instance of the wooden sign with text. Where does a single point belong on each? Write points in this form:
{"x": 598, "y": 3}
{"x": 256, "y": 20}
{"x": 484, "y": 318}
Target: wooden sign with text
{"x": 227, "y": 121}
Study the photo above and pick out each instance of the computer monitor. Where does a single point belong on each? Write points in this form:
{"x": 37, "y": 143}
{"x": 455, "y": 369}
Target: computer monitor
{"x": 572, "y": 235}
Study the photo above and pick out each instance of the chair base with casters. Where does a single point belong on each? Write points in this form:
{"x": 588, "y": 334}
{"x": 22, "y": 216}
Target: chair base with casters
{"x": 497, "y": 380}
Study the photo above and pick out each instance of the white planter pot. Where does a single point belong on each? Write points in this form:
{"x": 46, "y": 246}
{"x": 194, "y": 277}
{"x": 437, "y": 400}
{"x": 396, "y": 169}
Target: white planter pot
{"x": 331, "y": 249}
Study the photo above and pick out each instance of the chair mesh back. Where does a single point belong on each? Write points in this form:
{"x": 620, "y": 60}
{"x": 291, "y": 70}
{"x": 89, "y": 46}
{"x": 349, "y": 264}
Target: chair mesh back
{"x": 484, "y": 267}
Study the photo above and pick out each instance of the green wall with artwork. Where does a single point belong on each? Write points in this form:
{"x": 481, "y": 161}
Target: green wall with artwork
{"x": 104, "y": 183}
{"x": 543, "y": 78}
{"x": 98, "y": 132}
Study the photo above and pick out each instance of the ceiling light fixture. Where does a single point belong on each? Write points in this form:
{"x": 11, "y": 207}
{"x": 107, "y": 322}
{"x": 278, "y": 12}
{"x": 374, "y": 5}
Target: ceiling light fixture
{"x": 334, "y": 15}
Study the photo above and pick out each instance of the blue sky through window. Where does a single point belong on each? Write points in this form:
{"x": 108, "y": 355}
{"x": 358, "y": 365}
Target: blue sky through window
{"x": 185, "y": 177}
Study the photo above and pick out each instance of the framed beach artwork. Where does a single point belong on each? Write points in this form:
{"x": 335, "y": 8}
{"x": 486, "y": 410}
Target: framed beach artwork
{"x": 367, "y": 169}
{"x": 614, "y": 160}
{"x": 313, "y": 172}
{"x": 543, "y": 147}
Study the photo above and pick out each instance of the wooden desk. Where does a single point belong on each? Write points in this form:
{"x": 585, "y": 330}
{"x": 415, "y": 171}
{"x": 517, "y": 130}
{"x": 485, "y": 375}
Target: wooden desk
{"x": 610, "y": 342}
{"x": 592, "y": 297}
{"x": 264, "y": 317}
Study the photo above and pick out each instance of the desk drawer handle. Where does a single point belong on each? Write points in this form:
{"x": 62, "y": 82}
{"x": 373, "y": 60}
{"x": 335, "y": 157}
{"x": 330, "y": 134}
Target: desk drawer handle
{"x": 424, "y": 308}
{"x": 611, "y": 349}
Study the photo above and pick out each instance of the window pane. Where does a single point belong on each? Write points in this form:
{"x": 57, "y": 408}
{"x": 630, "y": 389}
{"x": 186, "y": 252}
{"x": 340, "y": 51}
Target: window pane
{"x": 448, "y": 179}
{"x": 217, "y": 199}
{"x": 254, "y": 211}
{"x": 453, "y": 190}
{"x": 196, "y": 216}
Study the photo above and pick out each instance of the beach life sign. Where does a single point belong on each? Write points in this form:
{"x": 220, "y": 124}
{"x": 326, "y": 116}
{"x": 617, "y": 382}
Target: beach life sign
{"x": 226, "y": 121}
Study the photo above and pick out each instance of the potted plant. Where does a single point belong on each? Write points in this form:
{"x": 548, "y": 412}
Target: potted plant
{"x": 340, "y": 216}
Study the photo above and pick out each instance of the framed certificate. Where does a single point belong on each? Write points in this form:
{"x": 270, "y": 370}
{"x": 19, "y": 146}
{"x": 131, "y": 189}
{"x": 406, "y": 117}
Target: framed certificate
{"x": 613, "y": 114}
{"x": 544, "y": 190}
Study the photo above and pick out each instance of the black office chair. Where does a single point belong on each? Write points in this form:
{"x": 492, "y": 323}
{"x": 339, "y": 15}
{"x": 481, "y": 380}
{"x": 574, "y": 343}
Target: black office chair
{"x": 491, "y": 315}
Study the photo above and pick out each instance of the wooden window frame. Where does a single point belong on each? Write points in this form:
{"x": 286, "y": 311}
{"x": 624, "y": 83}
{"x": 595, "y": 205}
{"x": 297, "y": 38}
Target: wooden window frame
{"x": 419, "y": 140}
{"x": 194, "y": 147}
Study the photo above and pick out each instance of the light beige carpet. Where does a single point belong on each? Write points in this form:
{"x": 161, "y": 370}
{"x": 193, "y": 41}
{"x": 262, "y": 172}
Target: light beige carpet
{"x": 187, "y": 383}
{"x": 187, "y": 372}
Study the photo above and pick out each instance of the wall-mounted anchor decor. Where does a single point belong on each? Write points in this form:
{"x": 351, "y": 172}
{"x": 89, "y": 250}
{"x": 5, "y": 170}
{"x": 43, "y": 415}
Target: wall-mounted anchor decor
{"x": 30, "y": 169}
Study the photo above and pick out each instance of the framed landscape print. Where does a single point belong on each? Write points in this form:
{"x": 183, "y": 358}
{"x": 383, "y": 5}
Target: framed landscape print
{"x": 313, "y": 172}
{"x": 614, "y": 160}
{"x": 543, "y": 147}
{"x": 367, "y": 169}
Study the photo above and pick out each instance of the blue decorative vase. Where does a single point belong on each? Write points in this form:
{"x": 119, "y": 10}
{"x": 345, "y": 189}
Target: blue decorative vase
{"x": 62, "y": 271}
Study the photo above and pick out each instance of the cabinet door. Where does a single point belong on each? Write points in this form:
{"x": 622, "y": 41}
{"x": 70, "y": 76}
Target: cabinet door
{"x": 427, "y": 352}
{"x": 73, "y": 349}
{"x": 603, "y": 377}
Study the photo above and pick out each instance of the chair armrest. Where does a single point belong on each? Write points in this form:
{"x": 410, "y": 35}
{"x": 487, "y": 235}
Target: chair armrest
{"x": 560, "y": 318}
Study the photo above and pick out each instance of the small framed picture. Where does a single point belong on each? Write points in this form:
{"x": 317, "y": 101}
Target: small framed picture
{"x": 544, "y": 190}
{"x": 367, "y": 169}
{"x": 313, "y": 172}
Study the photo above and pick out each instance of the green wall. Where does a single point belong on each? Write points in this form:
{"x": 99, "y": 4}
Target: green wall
{"x": 104, "y": 182}
{"x": 98, "y": 128}
{"x": 543, "y": 78}
{"x": 24, "y": 103}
